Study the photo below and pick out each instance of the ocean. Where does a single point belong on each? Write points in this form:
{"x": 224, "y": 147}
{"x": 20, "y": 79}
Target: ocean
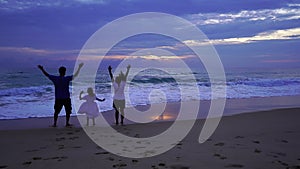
{"x": 27, "y": 93}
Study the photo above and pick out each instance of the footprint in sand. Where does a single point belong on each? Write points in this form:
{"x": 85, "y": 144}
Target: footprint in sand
{"x": 284, "y": 141}
{"x": 257, "y": 151}
{"x": 281, "y": 162}
{"x": 220, "y": 144}
{"x": 73, "y": 138}
{"x": 111, "y": 159}
{"x": 239, "y": 137}
{"x": 61, "y": 147}
{"x": 70, "y": 133}
{"x": 178, "y": 145}
{"x": 3, "y": 166}
{"x": 279, "y": 153}
{"x": 234, "y": 166}
{"x": 61, "y": 158}
{"x": 154, "y": 167}
{"x": 98, "y": 153}
{"x": 60, "y": 139}
{"x": 220, "y": 156}
{"x": 161, "y": 164}
{"x": 54, "y": 158}
{"x": 57, "y": 158}
{"x": 36, "y": 158}
{"x": 135, "y": 161}
{"x": 119, "y": 165}
{"x": 178, "y": 166}
{"x": 27, "y": 163}
{"x": 255, "y": 141}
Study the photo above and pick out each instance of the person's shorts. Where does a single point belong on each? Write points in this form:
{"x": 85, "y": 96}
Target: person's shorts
{"x": 119, "y": 104}
{"x": 59, "y": 103}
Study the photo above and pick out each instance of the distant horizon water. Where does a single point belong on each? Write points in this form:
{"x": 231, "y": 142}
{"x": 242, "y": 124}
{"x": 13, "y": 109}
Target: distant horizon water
{"x": 27, "y": 93}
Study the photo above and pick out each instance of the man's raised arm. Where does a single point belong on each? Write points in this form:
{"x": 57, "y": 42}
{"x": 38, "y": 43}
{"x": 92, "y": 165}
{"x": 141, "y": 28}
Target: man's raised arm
{"x": 43, "y": 70}
{"x": 78, "y": 70}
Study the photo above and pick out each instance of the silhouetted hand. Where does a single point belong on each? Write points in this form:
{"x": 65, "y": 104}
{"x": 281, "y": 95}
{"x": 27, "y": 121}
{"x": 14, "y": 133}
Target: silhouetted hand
{"x": 80, "y": 65}
{"x": 128, "y": 67}
{"x": 109, "y": 68}
{"x": 81, "y": 92}
{"x": 40, "y": 67}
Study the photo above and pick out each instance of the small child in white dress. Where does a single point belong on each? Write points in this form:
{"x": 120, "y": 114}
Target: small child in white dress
{"x": 89, "y": 107}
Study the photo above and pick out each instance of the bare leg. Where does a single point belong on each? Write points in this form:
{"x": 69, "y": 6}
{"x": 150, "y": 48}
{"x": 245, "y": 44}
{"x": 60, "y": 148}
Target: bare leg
{"x": 93, "y": 121}
{"x": 117, "y": 115}
{"x": 68, "y": 109}
{"x": 122, "y": 116}
{"x": 68, "y": 119}
{"x": 55, "y": 118}
{"x": 57, "y": 108}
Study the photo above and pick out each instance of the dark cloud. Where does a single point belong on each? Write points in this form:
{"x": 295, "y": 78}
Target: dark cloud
{"x": 66, "y": 25}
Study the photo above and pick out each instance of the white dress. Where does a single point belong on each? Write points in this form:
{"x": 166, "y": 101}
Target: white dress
{"x": 89, "y": 107}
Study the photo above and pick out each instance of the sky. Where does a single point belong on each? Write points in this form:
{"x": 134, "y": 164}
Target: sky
{"x": 246, "y": 34}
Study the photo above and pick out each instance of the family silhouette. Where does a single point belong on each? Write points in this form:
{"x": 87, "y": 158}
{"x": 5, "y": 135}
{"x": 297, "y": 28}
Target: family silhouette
{"x": 89, "y": 107}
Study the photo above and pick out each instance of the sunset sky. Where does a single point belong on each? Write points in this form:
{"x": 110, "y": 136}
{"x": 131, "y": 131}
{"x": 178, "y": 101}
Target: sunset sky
{"x": 256, "y": 33}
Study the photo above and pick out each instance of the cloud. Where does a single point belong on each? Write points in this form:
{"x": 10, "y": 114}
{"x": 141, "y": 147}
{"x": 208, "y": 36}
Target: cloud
{"x": 278, "y": 14}
{"x": 294, "y": 5}
{"x": 156, "y": 57}
{"x": 28, "y": 50}
{"x": 92, "y": 1}
{"x": 19, "y": 5}
{"x": 88, "y": 55}
{"x": 287, "y": 34}
{"x": 177, "y": 7}
{"x": 145, "y": 57}
{"x": 281, "y": 61}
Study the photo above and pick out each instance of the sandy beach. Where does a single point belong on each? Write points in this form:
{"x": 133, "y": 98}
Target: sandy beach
{"x": 262, "y": 138}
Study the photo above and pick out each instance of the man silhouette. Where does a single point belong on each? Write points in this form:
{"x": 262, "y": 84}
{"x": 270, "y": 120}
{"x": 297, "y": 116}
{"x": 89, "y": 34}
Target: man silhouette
{"x": 62, "y": 94}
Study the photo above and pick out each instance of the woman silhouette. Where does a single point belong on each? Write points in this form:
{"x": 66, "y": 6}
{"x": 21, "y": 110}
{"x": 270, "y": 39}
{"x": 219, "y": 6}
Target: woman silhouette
{"x": 119, "y": 98}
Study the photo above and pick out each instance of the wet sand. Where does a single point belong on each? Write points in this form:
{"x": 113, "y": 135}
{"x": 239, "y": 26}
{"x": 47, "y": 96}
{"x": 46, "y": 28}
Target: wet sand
{"x": 259, "y": 139}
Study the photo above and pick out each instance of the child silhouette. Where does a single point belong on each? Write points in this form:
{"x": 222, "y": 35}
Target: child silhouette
{"x": 89, "y": 107}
